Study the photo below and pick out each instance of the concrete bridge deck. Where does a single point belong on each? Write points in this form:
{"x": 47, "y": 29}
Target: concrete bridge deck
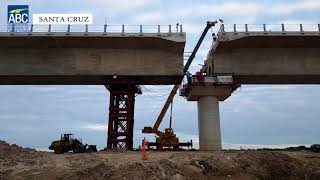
{"x": 91, "y": 57}
{"x": 267, "y": 57}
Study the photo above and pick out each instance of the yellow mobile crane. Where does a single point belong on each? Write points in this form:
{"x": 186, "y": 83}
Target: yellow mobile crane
{"x": 168, "y": 138}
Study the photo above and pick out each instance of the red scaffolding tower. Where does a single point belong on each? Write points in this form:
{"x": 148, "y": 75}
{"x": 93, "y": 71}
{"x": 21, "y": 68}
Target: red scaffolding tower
{"x": 121, "y": 115}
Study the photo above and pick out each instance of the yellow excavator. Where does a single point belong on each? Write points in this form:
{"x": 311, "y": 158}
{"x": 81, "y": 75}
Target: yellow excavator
{"x": 167, "y": 138}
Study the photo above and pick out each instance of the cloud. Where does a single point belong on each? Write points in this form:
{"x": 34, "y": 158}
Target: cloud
{"x": 239, "y": 103}
{"x": 120, "y": 6}
{"x": 87, "y": 90}
{"x": 149, "y": 17}
{"x": 249, "y": 102}
{"x": 43, "y": 88}
{"x": 246, "y": 12}
{"x": 289, "y": 8}
{"x": 102, "y": 10}
{"x": 229, "y": 8}
{"x": 193, "y": 28}
{"x": 251, "y": 88}
{"x": 272, "y": 102}
{"x": 156, "y": 92}
{"x": 95, "y": 127}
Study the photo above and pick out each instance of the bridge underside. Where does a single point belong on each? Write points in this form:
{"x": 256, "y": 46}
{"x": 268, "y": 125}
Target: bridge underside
{"x": 87, "y": 80}
{"x": 267, "y": 58}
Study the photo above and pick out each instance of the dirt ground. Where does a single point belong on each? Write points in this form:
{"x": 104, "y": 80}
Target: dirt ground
{"x": 24, "y": 163}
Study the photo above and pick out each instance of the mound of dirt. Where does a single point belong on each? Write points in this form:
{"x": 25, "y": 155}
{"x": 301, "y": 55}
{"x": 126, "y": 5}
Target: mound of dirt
{"x": 13, "y": 154}
{"x": 13, "y": 150}
{"x": 25, "y": 163}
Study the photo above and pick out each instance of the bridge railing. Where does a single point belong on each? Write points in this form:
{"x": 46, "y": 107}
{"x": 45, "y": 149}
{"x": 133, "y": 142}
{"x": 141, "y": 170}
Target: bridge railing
{"x": 107, "y": 28}
{"x": 270, "y": 28}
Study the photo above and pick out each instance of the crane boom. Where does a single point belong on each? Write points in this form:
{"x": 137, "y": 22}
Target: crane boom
{"x": 175, "y": 88}
{"x": 166, "y": 106}
{"x": 196, "y": 48}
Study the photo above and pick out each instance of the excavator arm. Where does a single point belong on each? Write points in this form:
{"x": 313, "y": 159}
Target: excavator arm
{"x": 173, "y": 92}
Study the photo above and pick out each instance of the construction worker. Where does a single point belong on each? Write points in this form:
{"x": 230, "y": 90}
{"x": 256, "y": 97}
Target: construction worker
{"x": 189, "y": 75}
{"x": 200, "y": 76}
{"x": 214, "y": 37}
{"x": 144, "y": 147}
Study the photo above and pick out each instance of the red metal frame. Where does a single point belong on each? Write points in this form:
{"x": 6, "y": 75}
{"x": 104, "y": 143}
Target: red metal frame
{"x": 121, "y": 116}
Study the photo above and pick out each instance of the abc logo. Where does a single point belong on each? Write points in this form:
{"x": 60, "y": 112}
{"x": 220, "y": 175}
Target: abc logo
{"x": 18, "y": 14}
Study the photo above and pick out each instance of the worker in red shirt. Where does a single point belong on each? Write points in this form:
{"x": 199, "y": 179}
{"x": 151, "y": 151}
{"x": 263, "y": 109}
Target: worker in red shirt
{"x": 200, "y": 76}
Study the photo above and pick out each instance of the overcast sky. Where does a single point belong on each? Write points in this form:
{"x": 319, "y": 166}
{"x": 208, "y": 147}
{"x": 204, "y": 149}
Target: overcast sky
{"x": 33, "y": 116}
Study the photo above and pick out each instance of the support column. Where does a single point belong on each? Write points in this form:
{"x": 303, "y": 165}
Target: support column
{"x": 121, "y": 115}
{"x": 208, "y": 92}
{"x": 209, "y": 123}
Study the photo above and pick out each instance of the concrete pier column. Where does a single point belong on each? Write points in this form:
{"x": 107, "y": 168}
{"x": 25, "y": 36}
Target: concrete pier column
{"x": 209, "y": 123}
{"x": 208, "y": 93}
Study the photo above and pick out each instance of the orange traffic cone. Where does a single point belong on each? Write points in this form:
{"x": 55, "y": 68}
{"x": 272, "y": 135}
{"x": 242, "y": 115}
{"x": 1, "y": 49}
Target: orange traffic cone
{"x": 144, "y": 146}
